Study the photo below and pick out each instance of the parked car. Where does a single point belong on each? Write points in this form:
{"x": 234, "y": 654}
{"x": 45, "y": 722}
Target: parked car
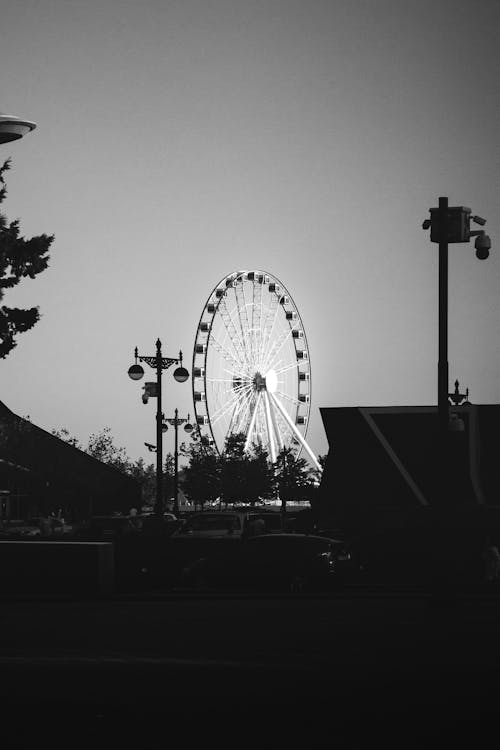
{"x": 104, "y": 528}
{"x": 229, "y": 524}
{"x": 270, "y": 562}
{"x": 18, "y": 528}
{"x": 151, "y": 524}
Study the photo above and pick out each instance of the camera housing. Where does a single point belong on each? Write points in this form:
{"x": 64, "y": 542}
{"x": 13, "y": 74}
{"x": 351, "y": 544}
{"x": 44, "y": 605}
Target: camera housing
{"x": 482, "y": 245}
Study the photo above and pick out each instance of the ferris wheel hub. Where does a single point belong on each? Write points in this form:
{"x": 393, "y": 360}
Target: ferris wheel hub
{"x": 259, "y": 382}
{"x": 271, "y": 381}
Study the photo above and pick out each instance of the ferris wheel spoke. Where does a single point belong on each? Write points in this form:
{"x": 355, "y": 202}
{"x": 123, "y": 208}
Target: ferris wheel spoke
{"x": 256, "y": 317}
{"x": 235, "y": 338}
{"x": 240, "y": 408}
{"x": 233, "y": 416}
{"x": 276, "y": 348}
{"x": 243, "y": 319}
{"x": 244, "y": 393}
{"x": 242, "y": 425}
{"x": 261, "y": 426}
{"x": 238, "y": 374}
{"x": 225, "y": 353}
{"x": 269, "y": 427}
{"x": 220, "y": 380}
{"x": 234, "y": 397}
{"x": 253, "y": 416}
{"x": 274, "y": 420}
{"x": 297, "y": 434}
{"x": 222, "y": 411}
{"x": 258, "y": 329}
{"x": 272, "y": 312}
{"x": 242, "y": 415}
{"x": 285, "y": 368}
{"x": 229, "y": 398}
{"x": 289, "y": 398}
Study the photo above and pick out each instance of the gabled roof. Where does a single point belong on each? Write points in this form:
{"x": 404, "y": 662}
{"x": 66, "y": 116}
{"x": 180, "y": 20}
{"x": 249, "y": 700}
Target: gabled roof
{"x": 26, "y": 447}
{"x": 384, "y": 457}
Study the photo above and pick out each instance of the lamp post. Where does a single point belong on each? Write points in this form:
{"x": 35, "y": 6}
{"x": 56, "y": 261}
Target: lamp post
{"x": 188, "y": 427}
{"x": 12, "y": 128}
{"x": 136, "y": 372}
{"x": 449, "y": 225}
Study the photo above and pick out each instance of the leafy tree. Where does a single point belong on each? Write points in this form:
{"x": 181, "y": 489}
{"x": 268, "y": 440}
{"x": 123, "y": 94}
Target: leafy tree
{"x": 315, "y": 475}
{"x": 145, "y": 474}
{"x": 261, "y": 475}
{"x": 201, "y": 480}
{"x": 64, "y": 434}
{"x": 168, "y": 476}
{"x": 101, "y": 446}
{"x": 245, "y": 476}
{"x": 19, "y": 258}
{"x": 293, "y": 478}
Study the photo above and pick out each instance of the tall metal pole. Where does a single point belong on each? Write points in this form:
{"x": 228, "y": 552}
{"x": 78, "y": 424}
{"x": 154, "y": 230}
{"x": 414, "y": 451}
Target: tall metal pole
{"x": 176, "y": 466}
{"x": 159, "y": 433}
{"x": 443, "y": 408}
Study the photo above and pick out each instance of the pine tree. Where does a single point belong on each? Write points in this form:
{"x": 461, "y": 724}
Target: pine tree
{"x": 19, "y": 258}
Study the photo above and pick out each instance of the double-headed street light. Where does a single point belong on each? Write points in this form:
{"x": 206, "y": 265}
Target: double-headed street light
{"x": 136, "y": 372}
{"x": 188, "y": 427}
{"x": 448, "y": 225}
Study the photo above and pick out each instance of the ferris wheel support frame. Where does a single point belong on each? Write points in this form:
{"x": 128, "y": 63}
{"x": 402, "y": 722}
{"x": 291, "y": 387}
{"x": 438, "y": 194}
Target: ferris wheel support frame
{"x": 248, "y": 441}
{"x": 295, "y": 431}
{"x": 269, "y": 424}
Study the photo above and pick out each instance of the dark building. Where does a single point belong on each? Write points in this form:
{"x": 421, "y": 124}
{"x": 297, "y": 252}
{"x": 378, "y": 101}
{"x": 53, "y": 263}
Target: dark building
{"x": 390, "y": 468}
{"x": 40, "y": 473}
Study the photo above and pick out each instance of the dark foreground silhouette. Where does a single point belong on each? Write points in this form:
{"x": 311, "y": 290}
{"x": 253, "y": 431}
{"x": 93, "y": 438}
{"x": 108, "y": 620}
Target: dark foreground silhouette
{"x": 402, "y": 669}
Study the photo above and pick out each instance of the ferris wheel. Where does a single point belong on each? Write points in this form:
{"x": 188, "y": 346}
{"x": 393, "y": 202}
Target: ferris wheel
{"x": 251, "y": 366}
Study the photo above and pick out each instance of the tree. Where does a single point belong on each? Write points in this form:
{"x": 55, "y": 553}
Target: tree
{"x": 145, "y": 474}
{"x": 201, "y": 481}
{"x": 261, "y": 475}
{"x": 292, "y": 476}
{"x": 64, "y": 434}
{"x": 101, "y": 446}
{"x": 246, "y": 476}
{"x": 19, "y": 258}
{"x": 168, "y": 477}
{"x": 314, "y": 489}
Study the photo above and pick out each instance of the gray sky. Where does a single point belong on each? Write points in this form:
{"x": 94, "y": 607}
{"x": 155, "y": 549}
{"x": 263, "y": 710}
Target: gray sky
{"x": 180, "y": 141}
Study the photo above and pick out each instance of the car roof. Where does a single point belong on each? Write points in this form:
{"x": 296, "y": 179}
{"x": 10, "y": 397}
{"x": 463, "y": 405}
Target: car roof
{"x": 292, "y": 535}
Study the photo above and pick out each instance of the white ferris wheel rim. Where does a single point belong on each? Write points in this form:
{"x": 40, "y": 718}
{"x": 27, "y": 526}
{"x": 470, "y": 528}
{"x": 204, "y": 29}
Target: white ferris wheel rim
{"x": 253, "y": 380}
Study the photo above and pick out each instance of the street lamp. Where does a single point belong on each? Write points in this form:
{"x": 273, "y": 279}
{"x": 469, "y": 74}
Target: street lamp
{"x": 450, "y": 224}
{"x": 136, "y": 372}
{"x": 12, "y": 128}
{"x": 188, "y": 427}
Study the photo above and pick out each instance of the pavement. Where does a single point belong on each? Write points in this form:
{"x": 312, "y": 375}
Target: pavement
{"x": 382, "y": 664}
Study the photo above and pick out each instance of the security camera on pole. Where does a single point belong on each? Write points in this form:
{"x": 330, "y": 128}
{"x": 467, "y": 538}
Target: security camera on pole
{"x": 450, "y": 224}
{"x": 153, "y": 390}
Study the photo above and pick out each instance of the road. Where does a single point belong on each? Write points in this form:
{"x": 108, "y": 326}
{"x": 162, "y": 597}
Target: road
{"x": 357, "y": 665}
